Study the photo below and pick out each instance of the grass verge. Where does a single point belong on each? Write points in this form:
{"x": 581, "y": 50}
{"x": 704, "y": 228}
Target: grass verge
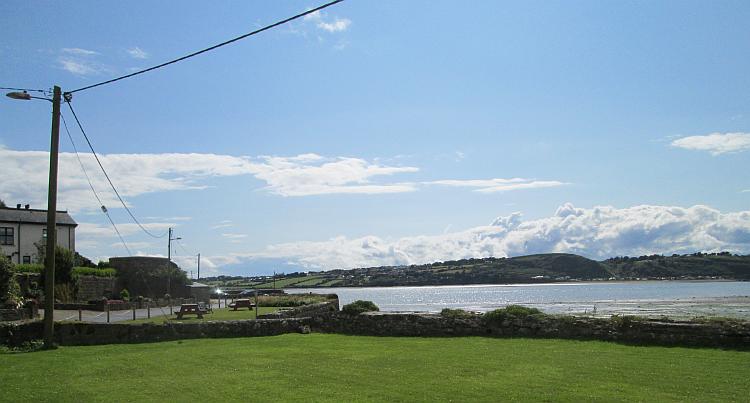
{"x": 321, "y": 367}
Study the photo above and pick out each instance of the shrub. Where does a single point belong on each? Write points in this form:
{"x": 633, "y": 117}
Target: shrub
{"x": 455, "y": 313}
{"x": 510, "y": 312}
{"x": 90, "y": 271}
{"x": 125, "y": 294}
{"x": 9, "y": 290}
{"x": 65, "y": 293}
{"x": 63, "y": 266}
{"x": 290, "y": 300}
{"x": 359, "y": 306}
{"x": 29, "y": 268}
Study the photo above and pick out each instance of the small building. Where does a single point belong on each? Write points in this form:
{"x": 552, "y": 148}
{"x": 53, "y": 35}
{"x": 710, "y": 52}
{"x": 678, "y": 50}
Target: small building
{"x": 21, "y": 228}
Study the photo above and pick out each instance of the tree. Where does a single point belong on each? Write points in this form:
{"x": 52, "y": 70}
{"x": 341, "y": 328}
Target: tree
{"x": 2, "y": 203}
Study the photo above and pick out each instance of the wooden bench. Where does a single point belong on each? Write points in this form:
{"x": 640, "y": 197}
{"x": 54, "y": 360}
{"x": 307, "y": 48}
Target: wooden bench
{"x": 190, "y": 309}
{"x": 241, "y": 303}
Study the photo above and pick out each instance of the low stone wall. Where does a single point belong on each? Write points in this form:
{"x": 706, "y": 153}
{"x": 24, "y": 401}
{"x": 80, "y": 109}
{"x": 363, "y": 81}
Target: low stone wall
{"x": 29, "y": 311}
{"x": 624, "y": 329}
{"x": 318, "y": 312}
{"x": 79, "y": 334}
{"x": 93, "y": 288}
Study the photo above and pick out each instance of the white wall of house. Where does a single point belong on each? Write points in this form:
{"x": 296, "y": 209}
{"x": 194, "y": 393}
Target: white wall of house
{"x": 25, "y": 235}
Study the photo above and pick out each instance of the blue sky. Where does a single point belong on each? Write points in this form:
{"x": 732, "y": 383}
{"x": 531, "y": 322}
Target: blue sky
{"x": 390, "y": 132}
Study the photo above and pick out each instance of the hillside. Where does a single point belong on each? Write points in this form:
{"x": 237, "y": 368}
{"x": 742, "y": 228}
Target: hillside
{"x": 542, "y": 268}
{"x": 697, "y": 265}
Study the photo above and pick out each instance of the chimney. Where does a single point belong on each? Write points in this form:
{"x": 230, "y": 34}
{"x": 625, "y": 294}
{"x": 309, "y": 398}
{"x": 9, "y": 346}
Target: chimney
{"x": 18, "y": 206}
{"x": 26, "y": 206}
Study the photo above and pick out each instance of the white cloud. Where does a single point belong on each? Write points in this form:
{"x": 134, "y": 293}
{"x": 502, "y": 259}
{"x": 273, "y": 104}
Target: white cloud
{"x": 78, "y": 67}
{"x": 498, "y": 185}
{"x": 234, "y": 236}
{"x": 78, "y": 51}
{"x": 311, "y": 174}
{"x": 335, "y": 25}
{"x": 137, "y": 53}
{"x": 598, "y": 233}
{"x": 715, "y": 143}
{"x": 25, "y": 175}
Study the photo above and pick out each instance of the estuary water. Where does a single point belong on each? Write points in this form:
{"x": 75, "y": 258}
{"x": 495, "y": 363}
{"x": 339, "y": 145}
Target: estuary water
{"x": 647, "y": 298}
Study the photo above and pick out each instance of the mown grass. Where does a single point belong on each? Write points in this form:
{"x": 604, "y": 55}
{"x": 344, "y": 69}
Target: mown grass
{"x": 218, "y": 314}
{"x": 337, "y": 368}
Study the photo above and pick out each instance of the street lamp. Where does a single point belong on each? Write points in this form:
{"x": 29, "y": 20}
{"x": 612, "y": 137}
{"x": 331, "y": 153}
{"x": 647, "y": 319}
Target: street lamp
{"x": 49, "y": 262}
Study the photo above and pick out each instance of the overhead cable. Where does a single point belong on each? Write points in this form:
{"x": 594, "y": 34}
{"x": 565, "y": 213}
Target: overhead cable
{"x": 107, "y": 175}
{"x": 103, "y": 208}
{"x": 179, "y": 59}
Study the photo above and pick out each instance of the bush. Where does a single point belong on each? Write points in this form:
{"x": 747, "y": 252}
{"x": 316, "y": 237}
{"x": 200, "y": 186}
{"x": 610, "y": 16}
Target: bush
{"x": 125, "y": 294}
{"x": 455, "y": 313}
{"x": 63, "y": 266}
{"x": 290, "y": 300}
{"x": 9, "y": 291}
{"x": 510, "y": 312}
{"x": 29, "y": 268}
{"x": 359, "y": 306}
{"x": 90, "y": 271}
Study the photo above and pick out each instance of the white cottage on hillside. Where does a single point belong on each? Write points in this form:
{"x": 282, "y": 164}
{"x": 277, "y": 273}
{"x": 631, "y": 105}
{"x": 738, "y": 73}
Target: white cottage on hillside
{"x": 21, "y": 228}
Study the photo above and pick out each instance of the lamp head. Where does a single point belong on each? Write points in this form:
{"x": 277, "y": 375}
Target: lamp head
{"x": 25, "y": 96}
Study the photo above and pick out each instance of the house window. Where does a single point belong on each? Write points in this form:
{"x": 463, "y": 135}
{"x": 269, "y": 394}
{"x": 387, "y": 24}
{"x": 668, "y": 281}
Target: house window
{"x": 6, "y": 235}
{"x": 26, "y": 259}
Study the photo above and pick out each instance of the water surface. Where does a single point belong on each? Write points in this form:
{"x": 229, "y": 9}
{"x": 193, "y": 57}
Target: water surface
{"x": 650, "y": 298}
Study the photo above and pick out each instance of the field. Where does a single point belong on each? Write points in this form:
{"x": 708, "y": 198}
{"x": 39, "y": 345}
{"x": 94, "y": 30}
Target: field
{"x": 318, "y": 367}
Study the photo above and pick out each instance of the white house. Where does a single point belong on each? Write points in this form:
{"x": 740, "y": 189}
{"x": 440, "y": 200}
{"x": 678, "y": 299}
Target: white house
{"x": 21, "y": 228}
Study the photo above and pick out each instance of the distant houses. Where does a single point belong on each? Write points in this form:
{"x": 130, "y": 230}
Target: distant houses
{"x": 23, "y": 227}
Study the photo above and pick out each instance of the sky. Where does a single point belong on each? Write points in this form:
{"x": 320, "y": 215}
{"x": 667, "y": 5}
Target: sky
{"x": 387, "y": 133}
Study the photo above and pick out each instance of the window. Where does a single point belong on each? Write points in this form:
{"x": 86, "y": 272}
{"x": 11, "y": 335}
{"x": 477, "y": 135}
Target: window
{"x": 6, "y": 235}
{"x": 26, "y": 259}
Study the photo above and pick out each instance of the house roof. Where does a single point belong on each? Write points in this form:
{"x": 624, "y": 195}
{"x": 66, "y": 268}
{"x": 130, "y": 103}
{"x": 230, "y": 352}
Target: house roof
{"x": 33, "y": 216}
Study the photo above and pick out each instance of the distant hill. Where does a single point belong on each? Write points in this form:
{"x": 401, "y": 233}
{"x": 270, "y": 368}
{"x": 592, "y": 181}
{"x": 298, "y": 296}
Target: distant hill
{"x": 542, "y": 268}
{"x": 724, "y": 265}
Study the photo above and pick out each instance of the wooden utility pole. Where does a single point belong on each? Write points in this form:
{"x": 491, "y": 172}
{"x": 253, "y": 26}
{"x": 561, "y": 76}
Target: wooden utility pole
{"x": 49, "y": 262}
{"x": 199, "y": 266}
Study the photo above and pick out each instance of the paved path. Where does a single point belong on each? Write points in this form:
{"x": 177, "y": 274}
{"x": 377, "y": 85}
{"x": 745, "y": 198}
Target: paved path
{"x": 114, "y": 316}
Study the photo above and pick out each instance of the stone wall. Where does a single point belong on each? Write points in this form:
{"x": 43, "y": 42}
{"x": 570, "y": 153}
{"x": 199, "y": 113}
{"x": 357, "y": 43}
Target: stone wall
{"x": 624, "y": 329}
{"x": 29, "y": 311}
{"x": 94, "y": 288}
{"x": 79, "y": 334}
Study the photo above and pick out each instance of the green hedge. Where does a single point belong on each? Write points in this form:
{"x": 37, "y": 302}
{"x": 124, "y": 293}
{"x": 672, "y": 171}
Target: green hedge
{"x": 91, "y": 271}
{"x": 29, "y": 268}
{"x": 509, "y": 312}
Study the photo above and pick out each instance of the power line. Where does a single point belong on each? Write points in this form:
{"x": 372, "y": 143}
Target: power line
{"x": 107, "y": 175}
{"x": 179, "y": 59}
{"x": 23, "y": 89}
{"x": 104, "y": 209}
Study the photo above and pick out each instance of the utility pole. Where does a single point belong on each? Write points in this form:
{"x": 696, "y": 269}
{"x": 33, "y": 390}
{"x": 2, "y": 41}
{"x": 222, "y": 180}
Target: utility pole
{"x": 199, "y": 266}
{"x": 49, "y": 263}
{"x": 169, "y": 260}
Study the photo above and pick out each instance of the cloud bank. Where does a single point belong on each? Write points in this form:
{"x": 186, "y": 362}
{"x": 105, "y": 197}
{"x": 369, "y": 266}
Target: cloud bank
{"x": 25, "y": 176}
{"x": 599, "y": 233}
{"x": 715, "y": 143}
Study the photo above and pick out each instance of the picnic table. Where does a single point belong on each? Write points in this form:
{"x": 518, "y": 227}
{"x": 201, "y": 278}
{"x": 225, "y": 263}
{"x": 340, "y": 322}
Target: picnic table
{"x": 193, "y": 309}
{"x": 241, "y": 303}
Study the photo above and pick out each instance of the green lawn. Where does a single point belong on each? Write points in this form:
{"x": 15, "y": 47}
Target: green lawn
{"x": 318, "y": 367}
{"x": 219, "y": 314}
